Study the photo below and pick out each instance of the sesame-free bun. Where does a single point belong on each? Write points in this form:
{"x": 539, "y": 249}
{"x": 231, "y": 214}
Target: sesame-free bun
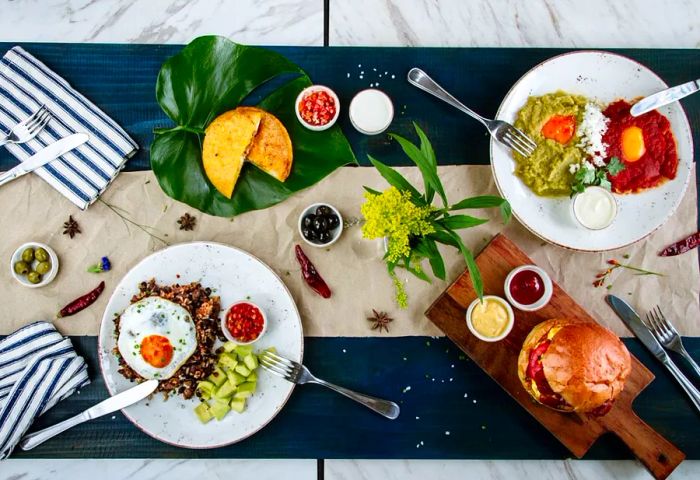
{"x": 585, "y": 363}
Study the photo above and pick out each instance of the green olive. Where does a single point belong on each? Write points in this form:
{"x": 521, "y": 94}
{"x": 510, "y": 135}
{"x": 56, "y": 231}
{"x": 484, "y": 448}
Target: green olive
{"x": 21, "y": 267}
{"x": 28, "y": 255}
{"x": 41, "y": 255}
{"x": 34, "y": 277}
{"x": 43, "y": 267}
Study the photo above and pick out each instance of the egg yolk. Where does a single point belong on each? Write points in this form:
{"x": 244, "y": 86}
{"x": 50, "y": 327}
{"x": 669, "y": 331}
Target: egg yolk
{"x": 632, "y": 140}
{"x": 559, "y": 128}
{"x": 156, "y": 350}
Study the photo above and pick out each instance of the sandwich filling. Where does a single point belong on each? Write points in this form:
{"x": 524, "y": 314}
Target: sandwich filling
{"x": 535, "y": 374}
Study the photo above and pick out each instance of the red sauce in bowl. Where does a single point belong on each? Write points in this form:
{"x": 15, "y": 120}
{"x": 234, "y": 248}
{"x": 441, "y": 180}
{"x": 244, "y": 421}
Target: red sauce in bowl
{"x": 245, "y": 322}
{"x": 317, "y": 108}
{"x": 526, "y": 287}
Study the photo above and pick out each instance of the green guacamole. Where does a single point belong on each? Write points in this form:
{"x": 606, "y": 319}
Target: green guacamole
{"x": 546, "y": 172}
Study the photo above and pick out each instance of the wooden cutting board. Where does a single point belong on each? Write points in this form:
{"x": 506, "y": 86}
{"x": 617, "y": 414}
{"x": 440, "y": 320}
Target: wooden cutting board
{"x": 576, "y": 431}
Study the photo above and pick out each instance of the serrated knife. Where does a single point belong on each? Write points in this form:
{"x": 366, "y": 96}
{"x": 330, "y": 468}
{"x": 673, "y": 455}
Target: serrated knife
{"x": 112, "y": 404}
{"x": 634, "y": 323}
{"x": 664, "y": 97}
{"x": 44, "y": 156}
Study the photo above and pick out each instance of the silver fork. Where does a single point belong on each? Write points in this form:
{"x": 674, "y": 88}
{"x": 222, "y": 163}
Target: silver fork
{"x": 667, "y": 335}
{"x": 29, "y": 127}
{"x": 502, "y": 131}
{"x": 297, "y": 373}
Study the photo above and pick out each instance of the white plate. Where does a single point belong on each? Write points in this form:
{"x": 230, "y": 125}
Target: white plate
{"x": 604, "y": 77}
{"x": 234, "y": 275}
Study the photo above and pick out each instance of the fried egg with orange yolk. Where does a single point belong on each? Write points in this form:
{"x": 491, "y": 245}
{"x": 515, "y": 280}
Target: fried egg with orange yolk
{"x": 156, "y": 337}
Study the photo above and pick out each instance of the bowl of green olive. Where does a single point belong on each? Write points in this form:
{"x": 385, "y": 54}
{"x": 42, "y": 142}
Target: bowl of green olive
{"x": 34, "y": 264}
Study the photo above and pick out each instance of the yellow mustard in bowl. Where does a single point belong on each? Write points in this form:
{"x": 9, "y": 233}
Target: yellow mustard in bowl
{"x": 490, "y": 319}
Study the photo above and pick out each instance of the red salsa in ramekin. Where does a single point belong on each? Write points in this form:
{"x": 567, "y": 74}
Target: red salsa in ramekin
{"x": 244, "y": 322}
{"x": 317, "y": 107}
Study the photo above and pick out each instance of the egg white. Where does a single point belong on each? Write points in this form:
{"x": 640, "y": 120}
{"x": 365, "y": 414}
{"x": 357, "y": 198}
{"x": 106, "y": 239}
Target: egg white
{"x": 156, "y": 316}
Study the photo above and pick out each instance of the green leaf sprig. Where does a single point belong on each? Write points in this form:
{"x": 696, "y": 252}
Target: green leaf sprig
{"x": 587, "y": 177}
{"x": 443, "y": 222}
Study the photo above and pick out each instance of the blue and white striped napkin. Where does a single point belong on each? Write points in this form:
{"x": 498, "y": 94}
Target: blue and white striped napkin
{"x": 82, "y": 174}
{"x": 38, "y": 368}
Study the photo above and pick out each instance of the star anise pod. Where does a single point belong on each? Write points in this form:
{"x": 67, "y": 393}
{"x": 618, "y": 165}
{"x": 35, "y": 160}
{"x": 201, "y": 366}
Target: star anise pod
{"x": 71, "y": 227}
{"x": 380, "y": 320}
{"x": 187, "y": 222}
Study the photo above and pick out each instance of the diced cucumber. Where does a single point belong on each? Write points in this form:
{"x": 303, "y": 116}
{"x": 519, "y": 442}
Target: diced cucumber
{"x": 228, "y": 360}
{"x": 243, "y": 350}
{"x": 219, "y": 408}
{"x": 242, "y": 370}
{"x": 238, "y": 405}
{"x": 232, "y": 377}
{"x": 217, "y": 377}
{"x": 206, "y": 388}
{"x": 242, "y": 395}
{"x": 253, "y": 377}
{"x": 229, "y": 347}
{"x": 250, "y": 361}
{"x": 247, "y": 387}
{"x": 204, "y": 413}
{"x": 225, "y": 390}
{"x": 237, "y": 378}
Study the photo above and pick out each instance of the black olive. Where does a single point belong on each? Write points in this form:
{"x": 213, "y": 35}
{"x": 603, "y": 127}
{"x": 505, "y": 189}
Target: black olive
{"x": 324, "y": 237}
{"x": 333, "y": 221}
{"x": 320, "y": 224}
{"x": 308, "y": 233}
{"x": 308, "y": 220}
{"x": 323, "y": 210}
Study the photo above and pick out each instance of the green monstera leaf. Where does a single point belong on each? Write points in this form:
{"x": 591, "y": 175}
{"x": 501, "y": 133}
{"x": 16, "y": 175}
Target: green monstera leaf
{"x": 210, "y": 76}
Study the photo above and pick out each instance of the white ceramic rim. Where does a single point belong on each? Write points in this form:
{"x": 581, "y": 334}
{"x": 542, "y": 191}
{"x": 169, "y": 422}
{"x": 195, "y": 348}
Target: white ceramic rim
{"x": 548, "y": 288}
{"x": 233, "y": 339}
{"x": 608, "y": 193}
{"x": 509, "y": 327}
{"x": 101, "y": 353}
{"x": 45, "y": 279}
{"x": 317, "y": 88}
{"x": 492, "y": 144}
{"x": 337, "y": 231}
{"x": 391, "y": 117}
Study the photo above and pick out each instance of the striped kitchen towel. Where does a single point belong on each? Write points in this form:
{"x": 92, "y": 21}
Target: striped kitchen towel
{"x": 82, "y": 174}
{"x": 38, "y": 368}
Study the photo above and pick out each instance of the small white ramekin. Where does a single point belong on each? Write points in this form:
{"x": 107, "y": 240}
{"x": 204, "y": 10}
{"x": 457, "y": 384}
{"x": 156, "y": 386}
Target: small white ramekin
{"x": 233, "y": 339}
{"x": 506, "y": 331}
{"x": 46, "y": 278}
{"x": 335, "y": 233}
{"x": 548, "y": 288}
{"x": 312, "y": 89}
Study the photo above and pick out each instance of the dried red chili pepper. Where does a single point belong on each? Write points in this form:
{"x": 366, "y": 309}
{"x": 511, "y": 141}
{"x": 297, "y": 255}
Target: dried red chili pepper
{"x": 81, "y": 303}
{"x": 311, "y": 275}
{"x": 681, "y": 246}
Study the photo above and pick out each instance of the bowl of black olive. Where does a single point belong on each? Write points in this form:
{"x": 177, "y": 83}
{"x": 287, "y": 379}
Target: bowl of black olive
{"x": 34, "y": 264}
{"x": 320, "y": 224}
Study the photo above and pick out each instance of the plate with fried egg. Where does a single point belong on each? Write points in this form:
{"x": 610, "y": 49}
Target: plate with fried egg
{"x": 575, "y": 106}
{"x": 163, "y": 322}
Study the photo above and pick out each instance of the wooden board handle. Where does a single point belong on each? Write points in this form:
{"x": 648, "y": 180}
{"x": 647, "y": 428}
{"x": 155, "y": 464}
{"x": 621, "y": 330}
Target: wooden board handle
{"x": 657, "y": 454}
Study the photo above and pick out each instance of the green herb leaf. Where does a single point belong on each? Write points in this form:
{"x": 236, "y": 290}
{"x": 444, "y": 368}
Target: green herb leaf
{"x": 615, "y": 166}
{"x": 486, "y": 201}
{"x": 455, "y": 222}
{"x": 474, "y": 272}
{"x": 427, "y": 247}
{"x": 372, "y": 191}
{"x": 395, "y": 179}
{"x": 417, "y": 271}
{"x": 430, "y": 176}
{"x": 426, "y": 149}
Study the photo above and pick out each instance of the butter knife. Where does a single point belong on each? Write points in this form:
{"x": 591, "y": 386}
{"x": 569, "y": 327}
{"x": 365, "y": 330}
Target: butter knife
{"x": 664, "y": 97}
{"x": 112, "y": 404}
{"x": 634, "y": 323}
{"x": 44, "y": 156}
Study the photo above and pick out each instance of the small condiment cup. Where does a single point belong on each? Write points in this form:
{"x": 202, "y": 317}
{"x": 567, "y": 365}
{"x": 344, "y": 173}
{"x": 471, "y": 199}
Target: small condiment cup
{"x": 227, "y": 333}
{"x": 361, "y": 101}
{"x": 506, "y": 331}
{"x": 335, "y": 233}
{"x": 312, "y": 89}
{"x": 47, "y": 277}
{"x": 579, "y": 198}
{"x": 544, "y": 299}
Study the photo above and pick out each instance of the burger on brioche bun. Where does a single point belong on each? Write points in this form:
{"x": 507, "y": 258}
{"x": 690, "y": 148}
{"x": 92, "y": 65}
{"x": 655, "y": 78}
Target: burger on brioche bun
{"x": 573, "y": 366}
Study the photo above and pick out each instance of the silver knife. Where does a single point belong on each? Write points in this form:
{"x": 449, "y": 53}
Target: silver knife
{"x": 44, "y": 156}
{"x": 634, "y": 323}
{"x": 664, "y": 97}
{"x": 117, "y": 402}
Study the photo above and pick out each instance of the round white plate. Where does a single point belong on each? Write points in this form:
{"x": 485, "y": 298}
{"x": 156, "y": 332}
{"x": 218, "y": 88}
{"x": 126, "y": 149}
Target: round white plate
{"x": 604, "y": 77}
{"x": 234, "y": 275}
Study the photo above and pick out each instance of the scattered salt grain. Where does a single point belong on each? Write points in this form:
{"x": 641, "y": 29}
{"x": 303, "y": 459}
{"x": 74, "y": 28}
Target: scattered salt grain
{"x": 417, "y": 418}
{"x": 393, "y": 76}
{"x": 447, "y": 432}
{"x": 361, "y": 77}
{"x": 474, "y": 401}
{"x": 465, "y": 395}
{"x": 450, "y": 379}
{"x": 344, "y": 351}
{"x": 406, "y": 389}
{"x": 452, "y": 366}
{"x": 374, "y": 69}
{"x": 421, "y": 442}
{"x": 371, "y": 85}
{"x": 348, "y": 75}
{"x": 359, "y": 65}
{"x": 113, "y": 417}
{"x": 376, "y": 84}
{"x": 386, "y": 73}
{"x": 362, "y": 72}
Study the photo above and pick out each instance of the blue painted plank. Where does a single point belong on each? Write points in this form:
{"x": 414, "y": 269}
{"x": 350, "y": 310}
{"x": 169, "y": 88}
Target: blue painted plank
{"x": 317, "y": 423}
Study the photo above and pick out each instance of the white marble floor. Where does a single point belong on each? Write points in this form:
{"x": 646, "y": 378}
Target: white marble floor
{"x": 479, "y": 23}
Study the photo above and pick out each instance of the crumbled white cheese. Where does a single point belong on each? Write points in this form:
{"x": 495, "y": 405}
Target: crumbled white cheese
{"x": 592, "y": 129}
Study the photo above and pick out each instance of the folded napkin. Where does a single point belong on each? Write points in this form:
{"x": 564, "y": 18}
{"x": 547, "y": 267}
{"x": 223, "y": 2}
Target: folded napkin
{"x": 38, "y": 368}
{"x": 82, "y": 174}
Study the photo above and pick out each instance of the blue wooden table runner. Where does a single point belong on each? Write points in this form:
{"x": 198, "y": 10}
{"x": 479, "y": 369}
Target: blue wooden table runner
{"x": 452, "y": 409}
